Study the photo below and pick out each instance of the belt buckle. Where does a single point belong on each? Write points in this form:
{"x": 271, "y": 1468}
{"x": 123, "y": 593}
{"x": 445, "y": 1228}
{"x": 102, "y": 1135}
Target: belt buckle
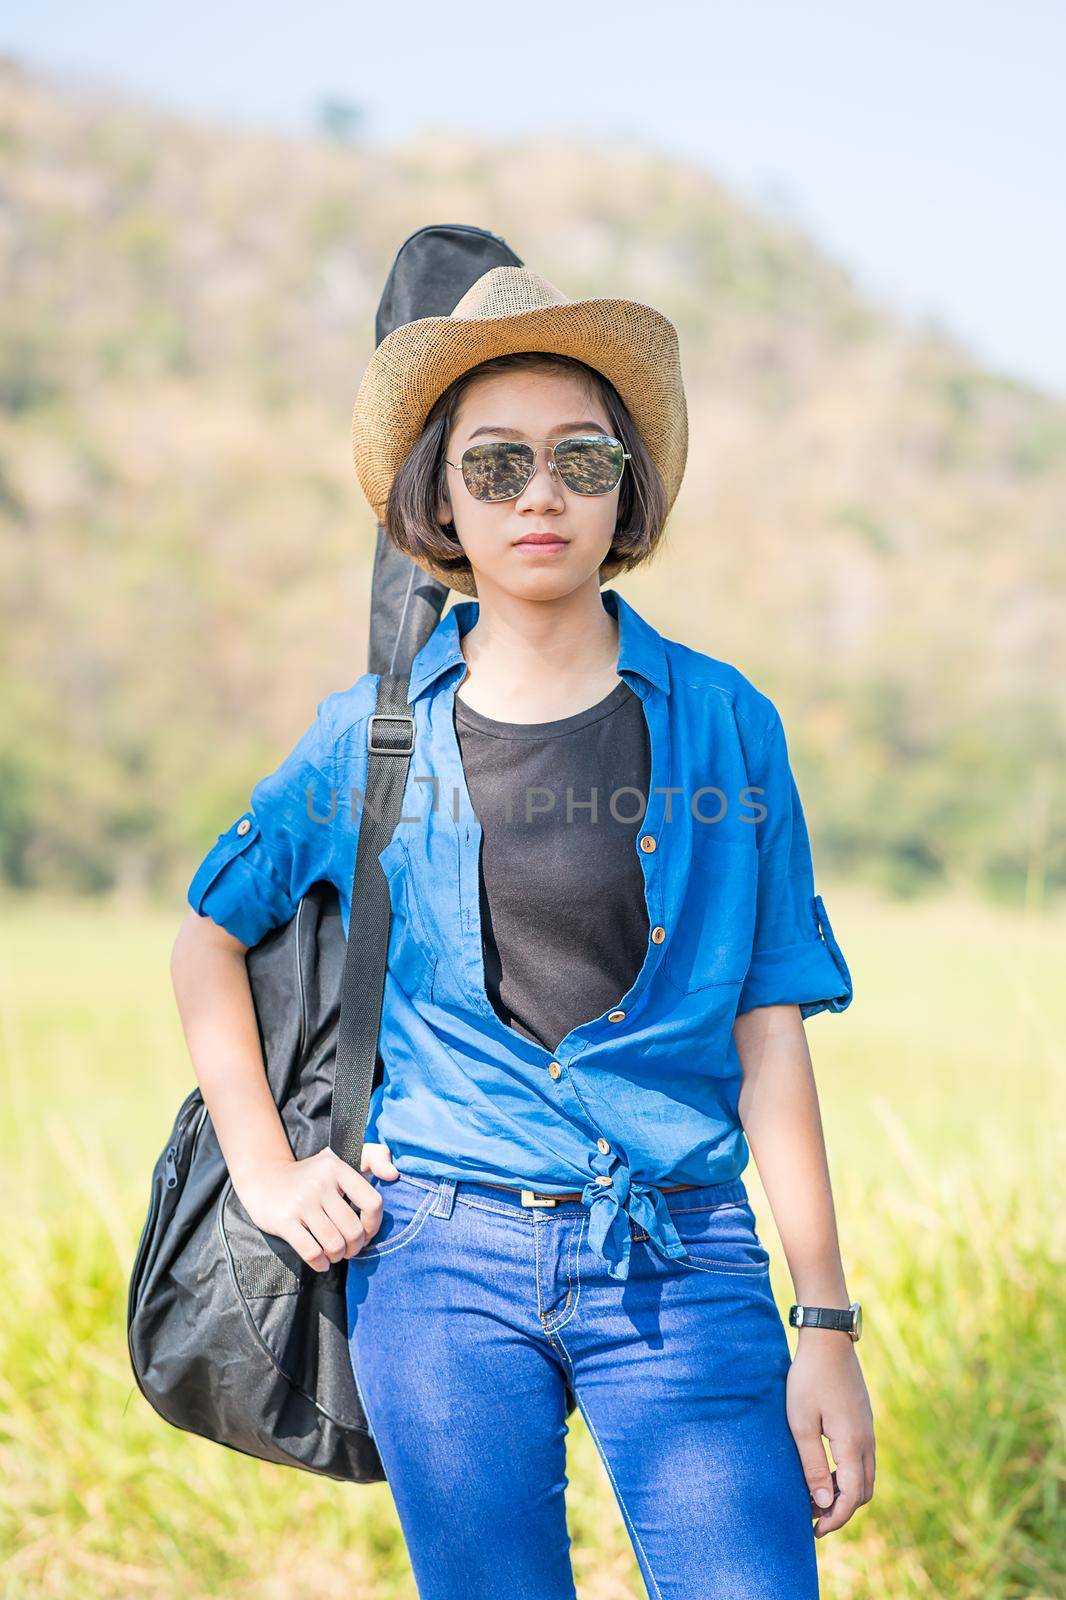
{"x": 529, "y": 1198}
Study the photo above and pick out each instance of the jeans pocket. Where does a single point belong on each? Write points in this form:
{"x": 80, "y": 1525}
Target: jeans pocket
{"x": 721, "y": 1238}
{"x": 404, "y": 1208}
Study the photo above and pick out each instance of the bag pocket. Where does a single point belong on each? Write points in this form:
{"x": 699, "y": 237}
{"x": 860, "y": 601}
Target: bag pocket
{"x": 404, "y": 1208}
{"x": 721, "y": 1238}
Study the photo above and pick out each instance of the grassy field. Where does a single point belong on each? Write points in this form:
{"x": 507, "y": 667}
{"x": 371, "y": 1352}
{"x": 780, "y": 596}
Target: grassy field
{"x": 942, "y": 1096}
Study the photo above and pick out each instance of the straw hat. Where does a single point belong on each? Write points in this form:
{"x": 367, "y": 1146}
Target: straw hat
{"x": 510, "y": 309}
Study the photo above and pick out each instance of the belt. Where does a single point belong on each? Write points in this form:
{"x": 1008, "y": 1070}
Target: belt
{"x": 615, "y": 1210}
{"x": 531, "y": 1198}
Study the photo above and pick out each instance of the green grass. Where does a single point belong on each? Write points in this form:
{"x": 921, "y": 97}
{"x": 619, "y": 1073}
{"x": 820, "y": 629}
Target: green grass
{"x": 941, "y": 1092}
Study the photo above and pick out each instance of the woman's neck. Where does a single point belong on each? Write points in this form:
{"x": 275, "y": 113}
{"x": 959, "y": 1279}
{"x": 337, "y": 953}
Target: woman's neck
{"x": 537, "y": 661}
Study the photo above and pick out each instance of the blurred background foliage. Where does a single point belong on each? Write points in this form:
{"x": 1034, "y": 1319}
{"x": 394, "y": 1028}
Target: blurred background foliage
{"x": 871, "y": 526}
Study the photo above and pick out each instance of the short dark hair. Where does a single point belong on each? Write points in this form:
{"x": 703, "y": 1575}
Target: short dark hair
{"x": 418, "y": 487}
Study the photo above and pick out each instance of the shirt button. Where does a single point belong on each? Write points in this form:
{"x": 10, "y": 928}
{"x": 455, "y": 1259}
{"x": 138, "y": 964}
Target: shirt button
{"x": 556, "y": 1070}
{"x": 601, "y": 1144}
{"x": 243, "y": 826}
{"x": 604, "y": 1177}
{"x": 616, "y": 1016}
{"x": 647, "y": 843}
{"x": 658, "y": 935}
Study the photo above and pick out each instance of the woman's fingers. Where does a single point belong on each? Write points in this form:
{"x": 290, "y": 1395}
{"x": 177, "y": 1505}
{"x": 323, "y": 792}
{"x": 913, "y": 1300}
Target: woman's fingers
{"x": 307, "y": 1247}
{"x": 850, "y": 1480}
{"x": 377, "y": 1158}
{"x": 812, "y": 1455}
{"x": 355, "y": 1226}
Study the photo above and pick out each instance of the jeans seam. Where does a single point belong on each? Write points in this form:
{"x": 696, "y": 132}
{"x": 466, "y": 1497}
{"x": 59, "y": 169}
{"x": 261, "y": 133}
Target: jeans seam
{"x": 658, "y": 1595}
{"x": 752, "y": 1270}
{"x": 536, "y": 1273}
{"x": 579, "y": 1231}
{"x": 569, "y": 1275}
{"x": 558, "y": 1347}
{"x": 412, "y": 1228}
{"x": 498, "y": 1211}
{"x": 461, "y": 1200}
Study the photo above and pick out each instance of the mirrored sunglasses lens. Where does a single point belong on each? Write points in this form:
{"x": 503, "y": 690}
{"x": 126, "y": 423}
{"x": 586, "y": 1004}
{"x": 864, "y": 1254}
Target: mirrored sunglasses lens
{"x": 497, "y": 471}
{"x": 590, "y": 466}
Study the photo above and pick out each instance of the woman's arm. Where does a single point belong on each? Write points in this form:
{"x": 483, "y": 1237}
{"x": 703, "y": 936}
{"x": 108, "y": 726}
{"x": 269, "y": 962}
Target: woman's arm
{"x": 304, "y": 1202}
{"x": 782, "y": 1122}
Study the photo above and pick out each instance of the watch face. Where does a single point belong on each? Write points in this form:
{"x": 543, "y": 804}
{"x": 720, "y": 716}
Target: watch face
{"x": 856, "y": 1320}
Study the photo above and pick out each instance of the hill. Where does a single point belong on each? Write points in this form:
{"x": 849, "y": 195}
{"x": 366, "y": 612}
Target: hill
{"x": 871, "y": 525}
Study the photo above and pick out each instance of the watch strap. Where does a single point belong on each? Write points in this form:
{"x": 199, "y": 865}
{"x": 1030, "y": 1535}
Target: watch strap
{"x": 822, "y": 1317}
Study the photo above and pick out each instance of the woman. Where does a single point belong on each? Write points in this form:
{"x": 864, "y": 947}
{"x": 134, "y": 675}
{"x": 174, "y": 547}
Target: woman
{"x": 604, "y": 942}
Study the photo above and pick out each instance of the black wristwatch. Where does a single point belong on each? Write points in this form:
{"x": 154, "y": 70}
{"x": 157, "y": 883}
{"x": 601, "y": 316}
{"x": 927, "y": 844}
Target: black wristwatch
{"x": 849, "y": 1321}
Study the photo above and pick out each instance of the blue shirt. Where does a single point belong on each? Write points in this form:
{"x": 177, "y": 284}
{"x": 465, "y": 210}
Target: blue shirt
{"x": 643, "y": 1095}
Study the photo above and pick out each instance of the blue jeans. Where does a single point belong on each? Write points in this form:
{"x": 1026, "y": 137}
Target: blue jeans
{"x": 468, "y": 1313}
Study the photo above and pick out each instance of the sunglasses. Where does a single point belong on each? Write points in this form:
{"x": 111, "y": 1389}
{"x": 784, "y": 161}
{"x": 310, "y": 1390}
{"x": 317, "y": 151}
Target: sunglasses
{"x": 588, "y": 464}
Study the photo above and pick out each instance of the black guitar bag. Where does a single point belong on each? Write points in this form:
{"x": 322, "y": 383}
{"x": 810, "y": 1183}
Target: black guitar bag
{"x": 231, "y": 1335}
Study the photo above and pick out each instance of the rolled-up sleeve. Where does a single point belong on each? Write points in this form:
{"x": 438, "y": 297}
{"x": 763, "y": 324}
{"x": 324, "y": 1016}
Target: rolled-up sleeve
{"x": 254, "y": 876}
{"x": 795, "y": 956}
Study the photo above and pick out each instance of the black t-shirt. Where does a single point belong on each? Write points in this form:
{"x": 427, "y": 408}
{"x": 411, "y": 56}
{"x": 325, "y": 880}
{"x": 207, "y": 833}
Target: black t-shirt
{"x": 563, "y": 917}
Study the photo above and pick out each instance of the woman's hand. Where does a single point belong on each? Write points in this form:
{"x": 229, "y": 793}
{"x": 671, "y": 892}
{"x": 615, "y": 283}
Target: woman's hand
{"x": 320, "y": 1206}
{"x": 826, "y": 1394}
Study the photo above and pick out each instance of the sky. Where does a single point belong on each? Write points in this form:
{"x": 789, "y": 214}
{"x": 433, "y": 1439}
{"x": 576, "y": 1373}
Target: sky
{"x": 920, "y": 144}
